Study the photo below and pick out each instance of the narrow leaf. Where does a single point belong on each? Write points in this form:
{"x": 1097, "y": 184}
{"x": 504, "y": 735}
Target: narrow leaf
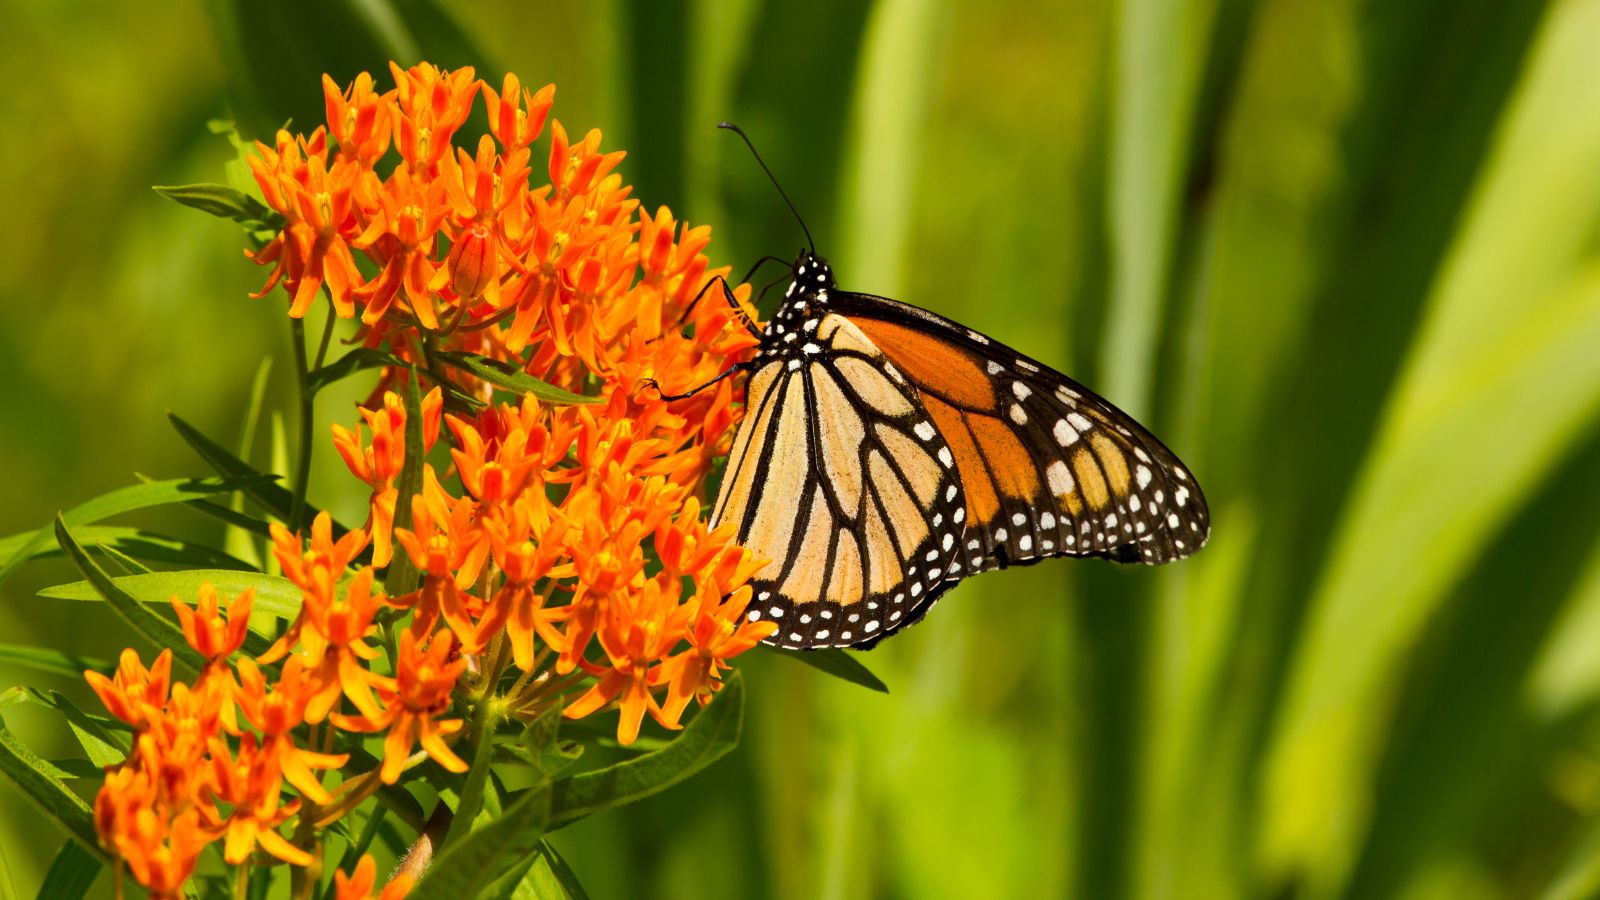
{"x": 275, "y": 595}
{"x": 713, "y": 733}
{"x": 104, "y": 741}
{"x": 349, "y": 364}
{"x": 549, "y": 877}
{"x": 18, "y": 548}
{"x": 835, "y": 661}
{"x": 71, "y": 874}
{"x": 54, "y": 662}
{"x": 39, "y": 781}
{"x": 223, "y": 202}
{"x": 236, "y": 538}
{"x": 273, "y": 497}
{"x": 157, "y": 630}
{"x": 464, "y": 869}
{"x": 506, "y": 376}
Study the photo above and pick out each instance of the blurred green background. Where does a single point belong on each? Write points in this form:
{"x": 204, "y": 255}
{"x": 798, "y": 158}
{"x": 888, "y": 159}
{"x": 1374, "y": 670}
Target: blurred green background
{"x": 1342, "y": 256}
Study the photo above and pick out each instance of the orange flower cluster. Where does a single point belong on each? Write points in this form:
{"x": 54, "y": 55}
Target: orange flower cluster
{"x": 184, "y": 785}
{"x": 561, "y": 547}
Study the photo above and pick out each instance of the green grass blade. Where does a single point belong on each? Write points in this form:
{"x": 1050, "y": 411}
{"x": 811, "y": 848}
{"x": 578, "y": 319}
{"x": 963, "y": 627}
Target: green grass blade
{"x": 1516, "y": 311}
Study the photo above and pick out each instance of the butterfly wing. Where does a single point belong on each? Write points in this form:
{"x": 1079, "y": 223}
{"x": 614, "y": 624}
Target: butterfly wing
{"x": 841, "y": 480}
{"x": 1047, "y": 467}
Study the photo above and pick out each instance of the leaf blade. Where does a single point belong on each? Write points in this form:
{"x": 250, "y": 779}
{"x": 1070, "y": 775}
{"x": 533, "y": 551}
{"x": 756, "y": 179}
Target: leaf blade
{"x": 712, "y": 734}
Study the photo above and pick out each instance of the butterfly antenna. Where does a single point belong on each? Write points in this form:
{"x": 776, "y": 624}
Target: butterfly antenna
{"x": 763, "y": 163}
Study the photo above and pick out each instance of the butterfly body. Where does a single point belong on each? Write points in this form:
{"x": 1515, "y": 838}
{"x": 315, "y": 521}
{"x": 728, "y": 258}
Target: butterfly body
{"x": 887, "y": 453}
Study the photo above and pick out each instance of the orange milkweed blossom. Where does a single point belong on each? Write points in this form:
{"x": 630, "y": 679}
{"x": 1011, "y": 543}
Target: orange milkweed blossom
{"x": 556, "y": 561}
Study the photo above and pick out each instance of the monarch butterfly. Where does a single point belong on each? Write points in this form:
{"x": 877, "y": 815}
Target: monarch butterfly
{"x": 887, "y": 453}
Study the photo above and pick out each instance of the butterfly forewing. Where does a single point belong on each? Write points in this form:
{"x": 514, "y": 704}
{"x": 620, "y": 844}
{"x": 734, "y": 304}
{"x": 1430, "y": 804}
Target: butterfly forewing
{"x": 1048, "y": 468}
{"x": 839, "y": 478}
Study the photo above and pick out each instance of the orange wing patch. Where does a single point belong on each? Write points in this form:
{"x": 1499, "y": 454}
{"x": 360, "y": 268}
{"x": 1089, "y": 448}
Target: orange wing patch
{"x": 1008, "y": 457}
{"x": 936, "y": 366}
{"x": 983, "y": 503}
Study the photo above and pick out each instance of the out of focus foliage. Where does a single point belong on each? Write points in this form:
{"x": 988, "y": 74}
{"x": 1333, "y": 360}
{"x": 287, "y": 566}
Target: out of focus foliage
{"x": 1340, "y": 255}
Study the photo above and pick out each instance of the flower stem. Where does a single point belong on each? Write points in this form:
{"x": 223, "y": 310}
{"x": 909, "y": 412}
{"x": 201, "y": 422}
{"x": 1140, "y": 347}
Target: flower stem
{"x": 302, "y": 475}
{"x": 327, "y": 336}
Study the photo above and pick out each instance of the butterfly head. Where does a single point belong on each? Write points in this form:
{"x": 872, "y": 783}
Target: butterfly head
{"x": 812, "y": 274}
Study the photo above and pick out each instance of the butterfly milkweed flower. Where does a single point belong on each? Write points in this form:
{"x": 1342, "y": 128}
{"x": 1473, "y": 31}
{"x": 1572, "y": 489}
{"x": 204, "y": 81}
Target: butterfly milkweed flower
{"x": 555, "y": 560}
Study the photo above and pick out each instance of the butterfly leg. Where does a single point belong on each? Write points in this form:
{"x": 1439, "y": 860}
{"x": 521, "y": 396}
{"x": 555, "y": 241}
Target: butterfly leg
{"x": 734, "y": 369}
{"x": 727, "y": 294}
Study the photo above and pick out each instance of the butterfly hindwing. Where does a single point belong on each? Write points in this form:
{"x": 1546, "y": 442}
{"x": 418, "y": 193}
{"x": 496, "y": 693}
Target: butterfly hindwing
{"x": 840, "y": 478}
{"x": 1048, "y": 467}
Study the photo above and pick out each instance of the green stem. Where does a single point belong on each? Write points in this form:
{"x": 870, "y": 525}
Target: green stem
{"x": 241, "y": 884}
{"x": 327, "y": 336}
{"x": 302, "y": 475}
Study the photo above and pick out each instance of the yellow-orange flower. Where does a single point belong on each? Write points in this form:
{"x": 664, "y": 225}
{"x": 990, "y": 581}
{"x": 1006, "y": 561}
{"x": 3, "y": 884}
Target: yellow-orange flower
{"x": 382, "y": 462}
{"x": 134, "y": 691}
{"x": 212, "y": 636}
{"x": 720, "y": 632}
{"x": 277, "y": 713}
{"x": 447, "y": 545}
{"x": 252, "y": 786}
{"x": 636, "y": 630}
{"x": 424, "y": 679}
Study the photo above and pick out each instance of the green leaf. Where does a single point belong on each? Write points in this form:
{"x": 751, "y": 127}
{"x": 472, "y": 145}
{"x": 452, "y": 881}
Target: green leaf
{"x": 546, "y": 877}
{"x": 71, "y": 874}
{"x": 154, "y": 628}
{"x": 466, "y": 868}
{"x": 713, "y": 733}
{"x": 508, "y": 377}
{"x": 138, "y": 543}
{"x": 236, "y": 538}
{"x": 275, "y": 595}
{"x": 128, "y": 564}
{"x": 54, "y": 662}
{"x": 225, "y": 203}
{"x": 105, "y": 741}
{"x": 402, "y": 575}
{"x": 18, "y": 548}
{"x": 273, "y": 497}
{"x": 349, "y": 364}
{"x": 835, "y": 661}
{"x": 42, "y": 784}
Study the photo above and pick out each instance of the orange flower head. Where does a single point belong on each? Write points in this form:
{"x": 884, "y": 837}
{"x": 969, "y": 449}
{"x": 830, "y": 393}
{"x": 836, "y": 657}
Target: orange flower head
{"x": 316, "y": 569}
{"x": 313, "y": 250}
{"x": 134, "y": 693}
{"x": 252, "y": 786}
{"x": 516, "y": 117}
{"x": 277, "y": 713}
{"x": 449, "y": 546}
{"x": 424, "y": 680}
{"x": 637, "y": 630}
{"x": 360, "y": 119}
{"x": 205, "y": 629}
{"x": 433, "y": 103}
